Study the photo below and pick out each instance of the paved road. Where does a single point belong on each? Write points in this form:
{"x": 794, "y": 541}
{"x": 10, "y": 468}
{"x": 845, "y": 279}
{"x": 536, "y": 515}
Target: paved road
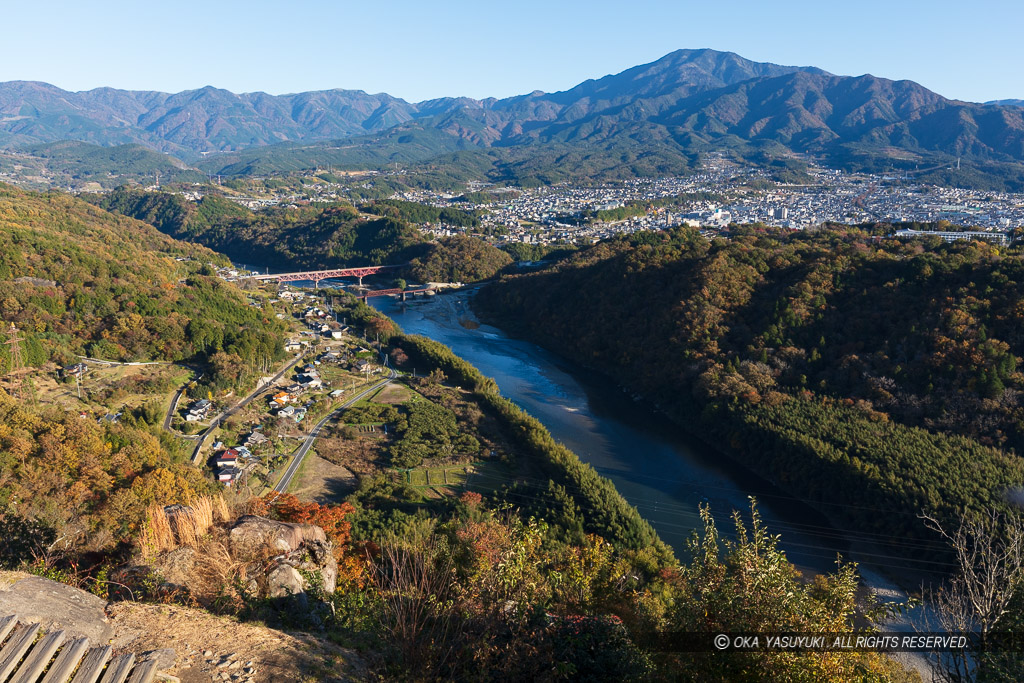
{"x": 117, "y": 362}
{"x": 238, "y": 406}
{"x": 174, "y": 406}
{"x": 300, "y": 454}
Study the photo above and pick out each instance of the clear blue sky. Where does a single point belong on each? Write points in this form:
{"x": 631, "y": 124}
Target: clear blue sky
{"x": 419, "y": 50}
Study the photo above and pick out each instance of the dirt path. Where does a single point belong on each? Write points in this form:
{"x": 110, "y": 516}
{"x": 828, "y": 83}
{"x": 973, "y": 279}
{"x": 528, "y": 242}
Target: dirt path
{"x": 211, "y": 648}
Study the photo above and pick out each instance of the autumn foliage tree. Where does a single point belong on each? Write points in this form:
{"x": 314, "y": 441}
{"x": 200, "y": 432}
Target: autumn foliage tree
{"x": 856, "y": 371}
{"x": 331, "y": 518}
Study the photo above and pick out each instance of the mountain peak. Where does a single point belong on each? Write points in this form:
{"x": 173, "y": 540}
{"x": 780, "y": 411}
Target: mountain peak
{"x": 687, "y": 100}
{"x": 688, "y": 71}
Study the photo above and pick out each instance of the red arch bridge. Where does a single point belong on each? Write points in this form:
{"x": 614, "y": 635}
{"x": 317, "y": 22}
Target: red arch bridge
{"x": 317, "y": 275}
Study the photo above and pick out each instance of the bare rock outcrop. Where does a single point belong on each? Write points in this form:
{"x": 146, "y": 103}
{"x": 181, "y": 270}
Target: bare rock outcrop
{"x": 289, "y": 552}
{"x": 251, "y": 535}
{"x": 54, "y": 606}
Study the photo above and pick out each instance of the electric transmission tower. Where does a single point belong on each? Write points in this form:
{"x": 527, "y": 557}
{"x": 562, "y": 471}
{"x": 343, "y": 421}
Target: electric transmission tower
{"x": 18, "y": 369}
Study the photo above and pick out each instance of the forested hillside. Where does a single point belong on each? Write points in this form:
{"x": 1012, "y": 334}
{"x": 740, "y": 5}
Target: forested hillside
{"x": 459, "y": 259}
{"x": 75, "y": 279}
{"x": 300, "y": 238}
{"x": 862, "y": 374}
{"x": 78, "y": 280}
{"x": 69, "y": 484}
{"x": 308, "y": 238}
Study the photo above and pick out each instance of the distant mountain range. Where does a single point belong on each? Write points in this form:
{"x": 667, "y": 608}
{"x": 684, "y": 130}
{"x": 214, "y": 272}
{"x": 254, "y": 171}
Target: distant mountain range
{"x": 654, "y": 118}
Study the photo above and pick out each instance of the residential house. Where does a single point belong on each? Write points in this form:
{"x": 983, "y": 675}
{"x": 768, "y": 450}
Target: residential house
{"x": 76, "y": 370}
{"x": 255, "y": 440}
{"x": 228, "y": 458}
{"x": 199, "y": 410}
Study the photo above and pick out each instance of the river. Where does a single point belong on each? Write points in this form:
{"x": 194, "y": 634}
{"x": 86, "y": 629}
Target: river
{"x": 656, "y": 466}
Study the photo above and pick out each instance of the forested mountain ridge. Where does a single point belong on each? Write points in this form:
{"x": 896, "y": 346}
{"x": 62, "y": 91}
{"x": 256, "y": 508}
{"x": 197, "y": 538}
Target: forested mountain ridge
{"x": 191, "y": 121}
{"x": 658, "y": 118}
{"x": 76, "y": 279}
{"x": 650, "y": 119}
{"x": 213, "y": 119}
{"x": 73, "y": 163}
{"x": 295, "y": 238}
{"x": 314, "y": 238}
{"x": 817, "y": 360}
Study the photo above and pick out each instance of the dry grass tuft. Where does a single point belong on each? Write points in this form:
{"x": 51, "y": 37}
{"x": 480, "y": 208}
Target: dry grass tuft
{"x": 220, "y": 509}
{"x": 217, "y": 575}
{"x": 184, "y": 527}
{"x": 202, "y": 515}
{"x": 156, "y": 535}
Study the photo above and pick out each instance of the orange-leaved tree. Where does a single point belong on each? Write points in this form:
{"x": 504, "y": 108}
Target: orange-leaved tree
{"x": 331, "y": 518}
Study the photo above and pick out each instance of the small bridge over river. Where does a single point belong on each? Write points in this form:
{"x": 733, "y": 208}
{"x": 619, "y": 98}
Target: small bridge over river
{"x": 401, "y": 293}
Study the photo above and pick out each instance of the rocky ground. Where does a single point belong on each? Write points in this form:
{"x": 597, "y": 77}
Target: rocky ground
{"x": 194, "y": 645}
{"x": 212, "y": 648}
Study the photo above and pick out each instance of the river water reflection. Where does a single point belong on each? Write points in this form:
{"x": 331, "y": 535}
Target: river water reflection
{"x": 660, "y": 469}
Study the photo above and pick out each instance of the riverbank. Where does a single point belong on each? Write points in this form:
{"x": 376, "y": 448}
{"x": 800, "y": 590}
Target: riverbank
{"x": 661, "y": 470}
{"x": 891, "y": 572}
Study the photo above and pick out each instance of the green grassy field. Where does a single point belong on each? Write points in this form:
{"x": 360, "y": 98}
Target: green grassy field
{"x": 477, "y": 476}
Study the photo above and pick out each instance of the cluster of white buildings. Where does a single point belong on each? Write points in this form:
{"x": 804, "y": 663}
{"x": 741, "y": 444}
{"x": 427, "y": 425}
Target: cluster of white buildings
{"x": 726, "y": 193}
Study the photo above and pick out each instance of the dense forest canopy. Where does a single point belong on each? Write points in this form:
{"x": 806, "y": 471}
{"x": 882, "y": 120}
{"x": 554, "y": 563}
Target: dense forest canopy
{"x": 280, "y": 238}
{"x": 307, "y": 238}
{"x": 858, "y": 372}
{"x": 414, "y": 212}
{"x": 459, "y": 258}
{"x": 76, "y": 280}
{"x": 88, "y": 482}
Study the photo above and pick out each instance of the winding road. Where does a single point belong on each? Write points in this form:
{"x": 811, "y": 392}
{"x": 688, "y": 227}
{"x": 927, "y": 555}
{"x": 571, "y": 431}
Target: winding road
{"x": 238, "y": 406}
{"x": 174, "y": 407}
{"x": 300, "y": 454}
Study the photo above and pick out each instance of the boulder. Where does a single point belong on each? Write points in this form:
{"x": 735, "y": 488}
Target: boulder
{"x": 318, "y": 557}
{"x": 165, "y": 658}
{"x": 177, "y": 565}
{"x": 284, "y": 580}
{"x": 54, "y": 605}
{"x": 292, "y": 549}
{"x": 252, "y": 535}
